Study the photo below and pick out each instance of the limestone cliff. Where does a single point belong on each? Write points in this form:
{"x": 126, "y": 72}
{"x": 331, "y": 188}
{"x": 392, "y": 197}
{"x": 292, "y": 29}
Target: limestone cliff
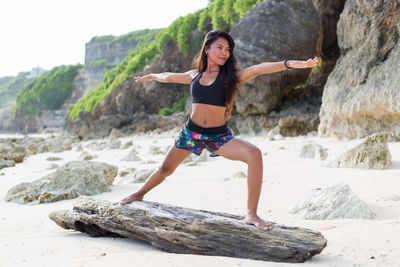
{"x": 111, "y": 51}
{"x": 362, "y": 93}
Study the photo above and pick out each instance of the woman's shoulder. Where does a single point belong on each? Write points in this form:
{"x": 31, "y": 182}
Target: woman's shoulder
{"x": 193, "y": 73}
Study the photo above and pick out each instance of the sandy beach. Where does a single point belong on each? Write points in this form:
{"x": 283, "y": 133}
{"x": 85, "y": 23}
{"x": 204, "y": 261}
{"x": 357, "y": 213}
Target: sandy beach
{"x": 30, "y": 238}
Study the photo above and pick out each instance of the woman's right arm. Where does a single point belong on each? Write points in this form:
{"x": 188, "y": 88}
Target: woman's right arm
{"x": 169, "y": 77}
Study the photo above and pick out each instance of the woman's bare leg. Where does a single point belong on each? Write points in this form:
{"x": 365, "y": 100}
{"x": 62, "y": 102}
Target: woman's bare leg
{"x": 174, "y": 157}
{"x": 237, "y": 149}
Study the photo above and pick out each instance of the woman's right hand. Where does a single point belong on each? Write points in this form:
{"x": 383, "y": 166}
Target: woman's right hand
{"x": 147, "y": 77}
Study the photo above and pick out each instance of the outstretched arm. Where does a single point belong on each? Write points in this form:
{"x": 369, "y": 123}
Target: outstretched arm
{"x": 169, "y": 77}
{"x": 271, "y": 67}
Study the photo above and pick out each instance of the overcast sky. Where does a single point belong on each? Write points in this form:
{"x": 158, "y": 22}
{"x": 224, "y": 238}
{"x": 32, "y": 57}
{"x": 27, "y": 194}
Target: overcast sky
{"x": 49, "y": 33}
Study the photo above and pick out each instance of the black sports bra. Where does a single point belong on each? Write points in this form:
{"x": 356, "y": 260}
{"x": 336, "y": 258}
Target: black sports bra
{"x": 213, "y": 94}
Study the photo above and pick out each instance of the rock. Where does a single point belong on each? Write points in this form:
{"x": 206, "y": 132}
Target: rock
{"x": 361, "y": 95}
{"x": 259, "y": 37}
{"x": 12, "y": 151}
{"x": 138, "y": 176}
{"x": 67, "y": 144}
{"x": 240, "y": 175}
{"x": 4, "y": 163}
{"x": 298, "y": 125}
{"x": 115, "y": 134}
{"x": 312, "y": 150}
{"x": 336, "y": 202}
{"x": 155, "y": 150}
{"x": 96, "y": 145}
{"x": 31, "y": 145}
{"x": 71, "y": 180}
{"x": 132, "y": 156}
{"x": 194, "y": 160}
{"x": 371, "y": 152}
{"x": 391, "y": 198}
{"x": 113, "y": 143}
{"x": 86, "y": 156}
{"x": 57, "y": 145}
{"x": 181, "y": 230}
{"x": 127, "y": 145}
{"x": 53, "y": 158}
{"x": 79, "y": 148}
{"x": 126, "y": 172}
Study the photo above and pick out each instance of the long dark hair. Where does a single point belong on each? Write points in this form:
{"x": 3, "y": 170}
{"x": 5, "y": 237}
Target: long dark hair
{"x": 229, "y": 69}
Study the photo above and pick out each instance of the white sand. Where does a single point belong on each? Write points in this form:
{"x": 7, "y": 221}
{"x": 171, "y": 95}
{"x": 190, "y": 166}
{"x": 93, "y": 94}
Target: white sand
{"x": 29, "y": 238}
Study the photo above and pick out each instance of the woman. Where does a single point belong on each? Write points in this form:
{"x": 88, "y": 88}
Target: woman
{"x": 214, "y": 84}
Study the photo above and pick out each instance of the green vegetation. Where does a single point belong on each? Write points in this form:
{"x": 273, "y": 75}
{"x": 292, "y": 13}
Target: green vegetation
{"x": 318, "y": 66}
{"x": 5, "y": 79}
{"x": 98, "y": 63}
{"x": 221, "y": 13}
{"x": 141, "y": 36}
{"x": 48, "y": 91}
{"x": 176, "y": 107}
{"x": 10, "y": 86}
{"x": 224, "y": 13}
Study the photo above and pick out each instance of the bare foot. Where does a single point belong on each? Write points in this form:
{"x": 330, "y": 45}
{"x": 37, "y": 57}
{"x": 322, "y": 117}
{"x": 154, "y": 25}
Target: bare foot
{"x": 259, "y": 223}
{"x": 130, "y": 198}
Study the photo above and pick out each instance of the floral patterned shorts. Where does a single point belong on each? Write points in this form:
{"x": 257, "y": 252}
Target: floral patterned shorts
{"x": 197, "y": 138}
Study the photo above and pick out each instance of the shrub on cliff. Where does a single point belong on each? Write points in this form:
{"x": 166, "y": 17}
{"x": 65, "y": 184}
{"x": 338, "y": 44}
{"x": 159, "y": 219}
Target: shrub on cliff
{"x": 48, "y": 91}
{"x": 10, "y": 86}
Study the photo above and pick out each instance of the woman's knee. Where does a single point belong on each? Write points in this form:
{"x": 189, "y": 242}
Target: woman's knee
{"x": 166, "y": 170}
{"x": 254, "y": 154}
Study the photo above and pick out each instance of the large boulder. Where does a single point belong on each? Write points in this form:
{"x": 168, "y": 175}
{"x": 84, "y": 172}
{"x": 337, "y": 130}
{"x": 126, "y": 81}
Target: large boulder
{"x": 361, "y": 96}
{"x": 274, "y": 31}
{"x": 71, "y": 180}
{"x": 371, "y": 152}
{"x": 335, "y": 202}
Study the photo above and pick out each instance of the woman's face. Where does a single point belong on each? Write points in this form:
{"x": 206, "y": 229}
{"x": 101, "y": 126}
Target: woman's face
{"x": 219, "y": 51}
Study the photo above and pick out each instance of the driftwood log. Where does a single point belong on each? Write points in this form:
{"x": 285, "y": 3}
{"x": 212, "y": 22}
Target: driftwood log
{"x": 181, "y": 230}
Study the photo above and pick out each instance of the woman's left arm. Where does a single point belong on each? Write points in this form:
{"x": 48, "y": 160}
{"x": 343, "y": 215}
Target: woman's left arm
{"x": 271, "y": 67}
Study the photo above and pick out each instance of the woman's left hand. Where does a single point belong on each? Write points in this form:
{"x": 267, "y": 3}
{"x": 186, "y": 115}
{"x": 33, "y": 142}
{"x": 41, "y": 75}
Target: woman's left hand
{"x": 310, "y": 63}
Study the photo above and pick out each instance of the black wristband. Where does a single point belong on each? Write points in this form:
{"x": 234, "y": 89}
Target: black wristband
{"x": 285, "y": 63}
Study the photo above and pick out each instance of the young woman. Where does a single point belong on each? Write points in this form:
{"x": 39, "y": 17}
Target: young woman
{"x": 214, "y": 84}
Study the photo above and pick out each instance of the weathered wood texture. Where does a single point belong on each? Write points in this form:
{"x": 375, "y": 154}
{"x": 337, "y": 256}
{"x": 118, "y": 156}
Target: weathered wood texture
{"x": 181, "y": 230}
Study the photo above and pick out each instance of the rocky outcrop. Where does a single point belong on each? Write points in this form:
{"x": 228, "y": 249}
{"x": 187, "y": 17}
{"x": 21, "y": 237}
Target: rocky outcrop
{"x": 371, "y": 152}
{"x": 312, "y": 150}
{"x": 274, "y": 31}
{"x": 137, "y": 123}
{"x": 5, "y": 118}
{"x": 361, "y": 96}
{"x": 138, "y": 176}
{"x": 71, "y": 180}
{"x": 335, "y": 202}
{"x": 327, "y": 47}
{"x": 11, "y": 153}
{"x": 111, "y": 51}
{"x": 187, "y": 231}
{"x": 290, "y": 122}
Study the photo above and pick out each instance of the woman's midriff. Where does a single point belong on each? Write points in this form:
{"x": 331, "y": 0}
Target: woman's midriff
{"x": 208, "y": 116}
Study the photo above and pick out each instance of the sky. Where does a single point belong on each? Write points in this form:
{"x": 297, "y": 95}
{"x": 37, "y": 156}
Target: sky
{"x": 49, "y": 33}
